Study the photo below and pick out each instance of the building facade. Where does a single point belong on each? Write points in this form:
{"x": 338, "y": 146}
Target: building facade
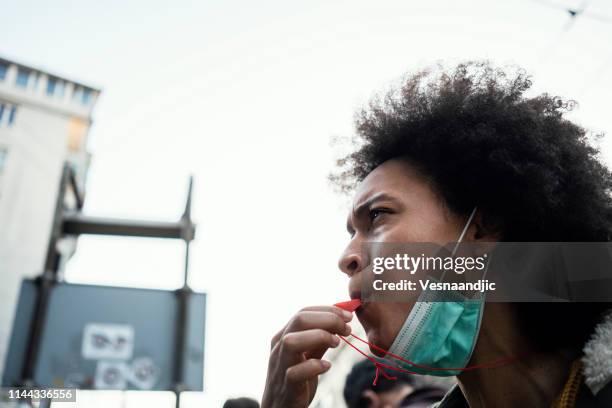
{"x": 44, "y": 122}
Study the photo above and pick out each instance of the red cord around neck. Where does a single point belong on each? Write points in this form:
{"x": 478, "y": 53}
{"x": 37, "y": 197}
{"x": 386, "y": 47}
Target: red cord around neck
{"x": 354, "y": 304}
{"x": 381, "y": 367}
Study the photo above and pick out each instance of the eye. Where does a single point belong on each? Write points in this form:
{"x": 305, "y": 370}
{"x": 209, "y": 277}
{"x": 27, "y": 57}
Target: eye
{"x": 376, "y": 213}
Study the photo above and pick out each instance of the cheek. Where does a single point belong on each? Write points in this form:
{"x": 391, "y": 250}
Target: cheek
{"x": 434, "y": 228}
{"x": 400, "y": 230}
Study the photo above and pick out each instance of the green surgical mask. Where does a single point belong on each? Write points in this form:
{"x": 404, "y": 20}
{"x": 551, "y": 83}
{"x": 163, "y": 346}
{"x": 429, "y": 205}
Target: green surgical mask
{"x": 440, "y": 333}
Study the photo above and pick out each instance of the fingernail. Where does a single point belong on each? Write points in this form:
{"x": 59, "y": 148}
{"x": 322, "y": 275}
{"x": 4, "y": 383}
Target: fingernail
{"x": 326, "y": 364}
{"x": 348, "y": 329}
{"x": 347, "y": 315}
{"x": 335, "y": 341}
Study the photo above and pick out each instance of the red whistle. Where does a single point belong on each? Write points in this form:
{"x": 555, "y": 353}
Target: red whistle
{"x": 350, "y": 305}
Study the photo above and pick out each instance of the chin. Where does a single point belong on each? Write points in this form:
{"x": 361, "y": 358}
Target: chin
{"x": 375, "y": 338}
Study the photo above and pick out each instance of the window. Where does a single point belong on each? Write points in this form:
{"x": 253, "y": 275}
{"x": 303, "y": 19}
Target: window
{"x": 12, "y": 113}
{"x": 77, "y": 131}
{"x": 3, "y": 156}
{"x": 7, "y": 111}
{"x": 51, "y": 85}
{"x": 77, "y": 93}
{"x": 82, "y": 95}
{"x": 3, "y": 69}
{"x": 86, "y": 98}
{"x": 23, "y": 75}
{"x": 35, "y": 77}
{"x": 59, "y": 89}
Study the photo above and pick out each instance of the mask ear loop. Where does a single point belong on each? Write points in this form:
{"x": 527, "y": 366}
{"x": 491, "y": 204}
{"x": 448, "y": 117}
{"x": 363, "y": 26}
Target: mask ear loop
{"x": 467, "y": 225}
{"x": 461, "y": 236}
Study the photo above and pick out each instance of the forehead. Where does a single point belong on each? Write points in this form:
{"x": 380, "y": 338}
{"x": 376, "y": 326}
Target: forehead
{"x": 394, "y": 177}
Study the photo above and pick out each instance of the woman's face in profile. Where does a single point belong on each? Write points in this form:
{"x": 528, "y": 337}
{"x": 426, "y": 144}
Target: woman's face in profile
{"x": 394, "y": 203}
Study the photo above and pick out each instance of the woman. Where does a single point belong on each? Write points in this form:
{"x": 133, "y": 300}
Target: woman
{"x": 430, "y": 152}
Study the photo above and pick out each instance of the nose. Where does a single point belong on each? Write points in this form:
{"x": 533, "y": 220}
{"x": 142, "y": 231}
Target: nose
{"x": 351, "y": 261}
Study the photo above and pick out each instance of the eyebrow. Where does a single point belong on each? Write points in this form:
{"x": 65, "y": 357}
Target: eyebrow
{"x": 363, "y": 206}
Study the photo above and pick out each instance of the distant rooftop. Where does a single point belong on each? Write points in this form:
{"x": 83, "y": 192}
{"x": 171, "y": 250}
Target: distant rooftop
{"x": 8, "y": 61}
{"x": 24, "y": 84}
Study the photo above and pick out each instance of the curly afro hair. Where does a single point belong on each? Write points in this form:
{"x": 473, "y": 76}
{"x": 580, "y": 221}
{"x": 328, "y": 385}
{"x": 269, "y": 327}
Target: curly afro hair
{"x": 479, "y": 140}
{"x": 472, "y": 131}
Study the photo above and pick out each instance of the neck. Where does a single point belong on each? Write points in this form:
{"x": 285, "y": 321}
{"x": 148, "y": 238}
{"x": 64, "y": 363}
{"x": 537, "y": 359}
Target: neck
{"x": 534, "y": 379}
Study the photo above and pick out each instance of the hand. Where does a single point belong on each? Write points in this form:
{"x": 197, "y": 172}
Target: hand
{"x": 295, "y": 358}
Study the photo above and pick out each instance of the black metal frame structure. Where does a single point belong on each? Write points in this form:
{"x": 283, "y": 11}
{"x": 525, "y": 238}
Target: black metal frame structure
{"x": 73, "y": 223}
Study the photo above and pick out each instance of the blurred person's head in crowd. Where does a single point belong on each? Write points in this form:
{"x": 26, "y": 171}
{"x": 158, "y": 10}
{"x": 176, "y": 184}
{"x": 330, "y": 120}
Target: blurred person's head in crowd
{"x": 407, "y": 391}
{"x": 241, "y": 403}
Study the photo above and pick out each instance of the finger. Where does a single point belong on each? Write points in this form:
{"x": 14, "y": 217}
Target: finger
{"x": 303, "y": 341}
{"x": 277, "y": 337}
{"x": 306, "y": 370}
{"x": 343, "y": 314}
{"x": 318, "y": 352}
{"x": 318, "y": 320}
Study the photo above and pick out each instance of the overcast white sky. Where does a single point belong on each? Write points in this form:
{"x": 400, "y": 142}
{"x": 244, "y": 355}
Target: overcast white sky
{"x": 246, "y": 96}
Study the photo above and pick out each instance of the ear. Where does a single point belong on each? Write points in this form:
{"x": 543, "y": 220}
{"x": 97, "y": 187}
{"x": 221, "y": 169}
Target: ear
{"x": 371, "y": 396}
{"x": 484, "y": 233}
{"x": 484, "y": 229}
